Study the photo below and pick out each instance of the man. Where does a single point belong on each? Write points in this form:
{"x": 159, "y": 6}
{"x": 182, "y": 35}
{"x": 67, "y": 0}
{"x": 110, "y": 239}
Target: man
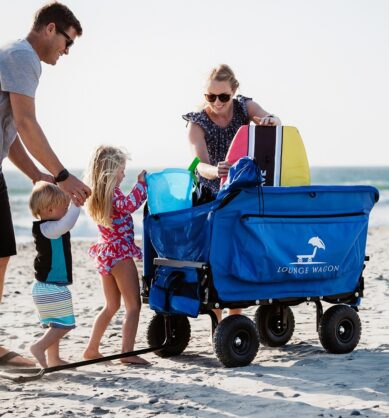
{"x": 54, "y": 31}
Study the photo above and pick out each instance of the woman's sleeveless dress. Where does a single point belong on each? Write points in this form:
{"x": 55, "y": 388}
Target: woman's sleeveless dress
{"x": 218, "y": 139}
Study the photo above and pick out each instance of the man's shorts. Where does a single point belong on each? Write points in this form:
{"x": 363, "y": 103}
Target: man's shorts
{"x": 7, "y": 235}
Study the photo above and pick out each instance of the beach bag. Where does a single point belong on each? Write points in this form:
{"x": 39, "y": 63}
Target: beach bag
{"x": 175, "y": 291}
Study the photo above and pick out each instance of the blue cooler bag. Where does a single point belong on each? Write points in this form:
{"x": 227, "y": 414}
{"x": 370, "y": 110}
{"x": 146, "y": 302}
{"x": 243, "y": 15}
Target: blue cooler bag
{"x": 175, "y": 291}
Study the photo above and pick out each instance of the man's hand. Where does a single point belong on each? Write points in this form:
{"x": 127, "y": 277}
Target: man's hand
{"x": 43, "y": 177}
{"x": 77, "y": 190}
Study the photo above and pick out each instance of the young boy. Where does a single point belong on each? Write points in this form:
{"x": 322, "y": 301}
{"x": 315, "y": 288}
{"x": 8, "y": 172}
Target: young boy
{"x": 53, "y": 268}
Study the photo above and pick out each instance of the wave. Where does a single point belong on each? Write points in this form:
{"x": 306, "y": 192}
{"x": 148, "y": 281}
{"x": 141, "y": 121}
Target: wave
{"x": 373, "y": 176}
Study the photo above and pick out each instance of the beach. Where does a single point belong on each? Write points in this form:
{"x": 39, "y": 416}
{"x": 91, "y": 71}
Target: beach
{"x": 297, "y": 380}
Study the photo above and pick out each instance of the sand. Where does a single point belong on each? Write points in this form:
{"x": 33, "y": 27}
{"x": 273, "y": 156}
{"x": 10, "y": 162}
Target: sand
{"x": 298, "y": 380}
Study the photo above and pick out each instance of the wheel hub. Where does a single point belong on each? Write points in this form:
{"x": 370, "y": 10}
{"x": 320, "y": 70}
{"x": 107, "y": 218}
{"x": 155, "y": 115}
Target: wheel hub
{"x": 345, "y": 330}
{"x": 241, "y": 343}
{"x": 275, "y": 324}
{"x": 237, "y": 342}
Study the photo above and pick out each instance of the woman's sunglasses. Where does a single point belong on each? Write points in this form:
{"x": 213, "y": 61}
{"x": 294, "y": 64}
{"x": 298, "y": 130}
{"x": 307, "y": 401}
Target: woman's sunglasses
{"x": 211, "y": 98}
{"x": 68, "y": 40}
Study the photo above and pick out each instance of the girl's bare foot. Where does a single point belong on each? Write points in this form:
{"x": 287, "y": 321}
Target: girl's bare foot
{"x": 135, "y": 360}
{"x": 91, "y": 355}
{"x": 57, "y": 362}
{"x": 39, "y": 354}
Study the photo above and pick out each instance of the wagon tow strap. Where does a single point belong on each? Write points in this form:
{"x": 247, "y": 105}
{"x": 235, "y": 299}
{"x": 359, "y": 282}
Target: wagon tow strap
{"x": 31, "y": 374}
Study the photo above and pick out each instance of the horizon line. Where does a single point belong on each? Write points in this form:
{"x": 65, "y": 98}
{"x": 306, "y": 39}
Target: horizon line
{"x": 14, "y": 169}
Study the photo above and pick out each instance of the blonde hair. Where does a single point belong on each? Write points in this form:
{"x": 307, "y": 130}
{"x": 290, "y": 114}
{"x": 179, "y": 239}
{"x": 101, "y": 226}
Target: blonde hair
{"x": 102, "y": 177}
{"x": 224, "y": 73}
{"x": 45, "y": 195}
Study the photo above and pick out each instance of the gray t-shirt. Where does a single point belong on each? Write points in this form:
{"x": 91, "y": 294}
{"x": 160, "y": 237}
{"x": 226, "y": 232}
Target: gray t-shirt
{"x": 20, "y": 69}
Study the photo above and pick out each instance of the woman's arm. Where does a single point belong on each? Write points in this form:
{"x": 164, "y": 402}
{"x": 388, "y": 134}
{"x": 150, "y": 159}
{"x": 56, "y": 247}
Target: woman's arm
{"x": 199, "y": 149}
{"x": 55, "y": 229}
{"x": 259, "y": 116}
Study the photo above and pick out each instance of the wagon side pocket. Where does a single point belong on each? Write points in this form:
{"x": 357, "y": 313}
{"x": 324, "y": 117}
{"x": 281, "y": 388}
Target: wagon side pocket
{"x": 280, "y": 249}
{"x": 175, "y": 291}
{"x": 182, "y": 235}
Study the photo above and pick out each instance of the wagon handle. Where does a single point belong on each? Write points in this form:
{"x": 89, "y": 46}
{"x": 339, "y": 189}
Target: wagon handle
{"x": 42, "y": 372}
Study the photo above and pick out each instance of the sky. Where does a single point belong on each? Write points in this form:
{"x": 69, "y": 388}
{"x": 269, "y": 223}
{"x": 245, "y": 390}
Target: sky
{"x": 322, "y": 66}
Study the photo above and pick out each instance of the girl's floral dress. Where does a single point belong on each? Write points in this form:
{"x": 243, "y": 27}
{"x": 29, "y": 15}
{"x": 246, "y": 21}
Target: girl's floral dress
{"x": 117, "y": 242}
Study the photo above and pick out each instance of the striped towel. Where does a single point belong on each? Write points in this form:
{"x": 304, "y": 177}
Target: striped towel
{"x": 54, "y": 304}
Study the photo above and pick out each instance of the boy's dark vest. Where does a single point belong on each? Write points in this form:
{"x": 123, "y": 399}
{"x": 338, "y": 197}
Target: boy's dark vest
{"x": 53, "y": 262}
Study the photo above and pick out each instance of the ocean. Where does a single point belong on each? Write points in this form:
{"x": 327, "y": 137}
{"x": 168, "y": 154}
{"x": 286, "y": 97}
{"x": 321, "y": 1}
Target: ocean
{"x": 19, "y": 188}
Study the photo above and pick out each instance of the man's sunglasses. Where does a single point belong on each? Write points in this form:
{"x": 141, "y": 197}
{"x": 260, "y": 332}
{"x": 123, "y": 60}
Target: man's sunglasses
{"x": 211, "y": 98}
{"x": 69, "y": 41}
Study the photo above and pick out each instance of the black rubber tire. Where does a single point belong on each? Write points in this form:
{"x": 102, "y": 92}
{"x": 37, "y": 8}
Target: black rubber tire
{"x": 340, "y": 329}
{"x": 180, "y": 328}
{"x": 236, "y": 341}
{"x": 268, "y": 322}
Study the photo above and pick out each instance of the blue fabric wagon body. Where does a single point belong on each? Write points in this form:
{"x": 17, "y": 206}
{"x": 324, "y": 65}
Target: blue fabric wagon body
{"x": 269, "y": 242}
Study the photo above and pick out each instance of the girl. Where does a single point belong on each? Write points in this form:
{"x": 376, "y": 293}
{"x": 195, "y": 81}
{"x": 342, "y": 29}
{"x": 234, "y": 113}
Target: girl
{"x": 115, "y": 250}
{"x": 53, "y": 268}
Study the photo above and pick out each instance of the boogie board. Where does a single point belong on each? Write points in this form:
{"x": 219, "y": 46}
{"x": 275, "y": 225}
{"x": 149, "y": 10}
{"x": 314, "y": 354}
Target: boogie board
{"x": 278, "y": 150}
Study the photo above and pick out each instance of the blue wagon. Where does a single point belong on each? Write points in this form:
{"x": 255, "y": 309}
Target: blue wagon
{"x": 271, "y": 247}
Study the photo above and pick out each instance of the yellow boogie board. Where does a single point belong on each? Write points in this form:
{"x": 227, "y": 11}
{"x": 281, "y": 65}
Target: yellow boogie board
{"x": 278, "y": 150}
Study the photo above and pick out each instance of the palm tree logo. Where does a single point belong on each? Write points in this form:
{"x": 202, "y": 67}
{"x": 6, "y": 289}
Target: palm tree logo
{"x": 316, "y": 242}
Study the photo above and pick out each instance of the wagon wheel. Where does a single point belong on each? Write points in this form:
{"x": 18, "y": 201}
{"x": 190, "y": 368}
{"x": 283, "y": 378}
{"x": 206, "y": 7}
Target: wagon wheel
{"x": 340, "y": 329}
{"x": 272, "y": 332}
{"x": 236, "y": 341}
{"x": 180, "y": 330}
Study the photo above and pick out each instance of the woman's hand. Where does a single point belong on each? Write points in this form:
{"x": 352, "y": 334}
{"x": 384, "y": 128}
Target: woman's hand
{"x": 141, "y": 176}
{"x": 222, "y": 168}
{"x": 268, "y": 120}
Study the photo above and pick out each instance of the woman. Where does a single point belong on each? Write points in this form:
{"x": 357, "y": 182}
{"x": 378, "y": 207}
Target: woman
{"x": 212, "y": 130}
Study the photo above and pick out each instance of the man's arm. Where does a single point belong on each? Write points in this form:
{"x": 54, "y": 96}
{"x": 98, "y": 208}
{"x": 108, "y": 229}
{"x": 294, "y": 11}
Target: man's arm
{"x": 19, "y": 157}
{"x": 33, "y": 137}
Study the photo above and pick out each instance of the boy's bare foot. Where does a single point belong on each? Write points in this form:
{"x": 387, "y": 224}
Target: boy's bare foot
{"x": 39, "y": 354}
{"x": 57, "y": 362}
{"x": 135, "y": 360}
